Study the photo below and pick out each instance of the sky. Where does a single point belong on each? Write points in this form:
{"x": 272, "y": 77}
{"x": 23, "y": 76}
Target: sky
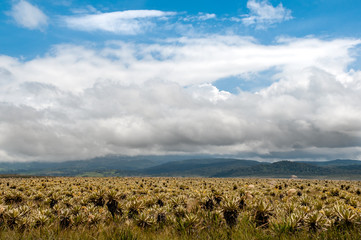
{"x": 256, "y": 79}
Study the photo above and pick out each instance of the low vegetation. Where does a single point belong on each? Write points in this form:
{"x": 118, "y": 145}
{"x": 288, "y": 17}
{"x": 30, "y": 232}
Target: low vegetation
{"x": 179, "y": 208}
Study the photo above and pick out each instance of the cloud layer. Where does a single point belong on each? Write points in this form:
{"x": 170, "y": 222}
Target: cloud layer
{"x": 158, "y": 98}
{"x": 185, "y": 61}
{"x": 28, "y": 15}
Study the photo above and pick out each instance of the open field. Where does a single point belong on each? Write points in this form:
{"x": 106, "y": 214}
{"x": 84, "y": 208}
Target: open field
{"x": 179, "y": 208}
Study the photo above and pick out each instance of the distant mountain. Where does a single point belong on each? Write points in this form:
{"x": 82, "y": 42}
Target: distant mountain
{"x": 73, "y": 168}
{"x": 223, "y": 167}
{"x": 197, "y": 167}
{"x": 335, "y": 163}
{"x": 277, "y": 169}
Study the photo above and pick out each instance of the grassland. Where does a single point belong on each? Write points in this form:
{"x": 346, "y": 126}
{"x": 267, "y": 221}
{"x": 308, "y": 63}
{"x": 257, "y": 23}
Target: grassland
{"x": 179, "y": 208}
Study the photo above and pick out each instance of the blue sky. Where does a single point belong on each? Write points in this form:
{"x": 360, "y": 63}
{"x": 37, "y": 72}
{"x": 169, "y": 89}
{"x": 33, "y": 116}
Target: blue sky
{"x": 255, "y": 78}
{"x": 325, "y": 19}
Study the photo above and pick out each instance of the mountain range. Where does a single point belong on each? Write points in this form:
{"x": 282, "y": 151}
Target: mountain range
{"x": 199, "y": 166}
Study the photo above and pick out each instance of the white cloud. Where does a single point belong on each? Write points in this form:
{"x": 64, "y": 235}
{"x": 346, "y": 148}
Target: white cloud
{"x": 28, "y": 15}
{"x": 158, "y": 99}
{"x": 263, "y": 14}
{"x": 200, "y": 17}
{"x": 125, "y": 22}
{"x": 206, "y": 16}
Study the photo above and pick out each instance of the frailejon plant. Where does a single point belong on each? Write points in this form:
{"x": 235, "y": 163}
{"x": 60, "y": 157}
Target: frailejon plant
{"x": 188, "y": 224}
{"x": 144, "y": 220}
{"x": 262, "y": 212}
{"x": 344, "y": 215}
{"x": 230, "y": 211}
{"x": 315, "y": 221}
{"x": 134, "y": 208}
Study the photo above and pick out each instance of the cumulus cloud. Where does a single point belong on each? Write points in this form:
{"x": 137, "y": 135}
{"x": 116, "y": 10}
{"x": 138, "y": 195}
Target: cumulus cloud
{"x": 122, "y": 22}
{"x": 263, "y": 14}
{"x": 28, "y": 15}
{"x": 158, "y": 98}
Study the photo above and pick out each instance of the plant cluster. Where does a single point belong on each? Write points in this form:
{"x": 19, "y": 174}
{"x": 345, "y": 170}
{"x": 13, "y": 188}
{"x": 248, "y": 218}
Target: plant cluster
{"x": 199, "y": 208}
